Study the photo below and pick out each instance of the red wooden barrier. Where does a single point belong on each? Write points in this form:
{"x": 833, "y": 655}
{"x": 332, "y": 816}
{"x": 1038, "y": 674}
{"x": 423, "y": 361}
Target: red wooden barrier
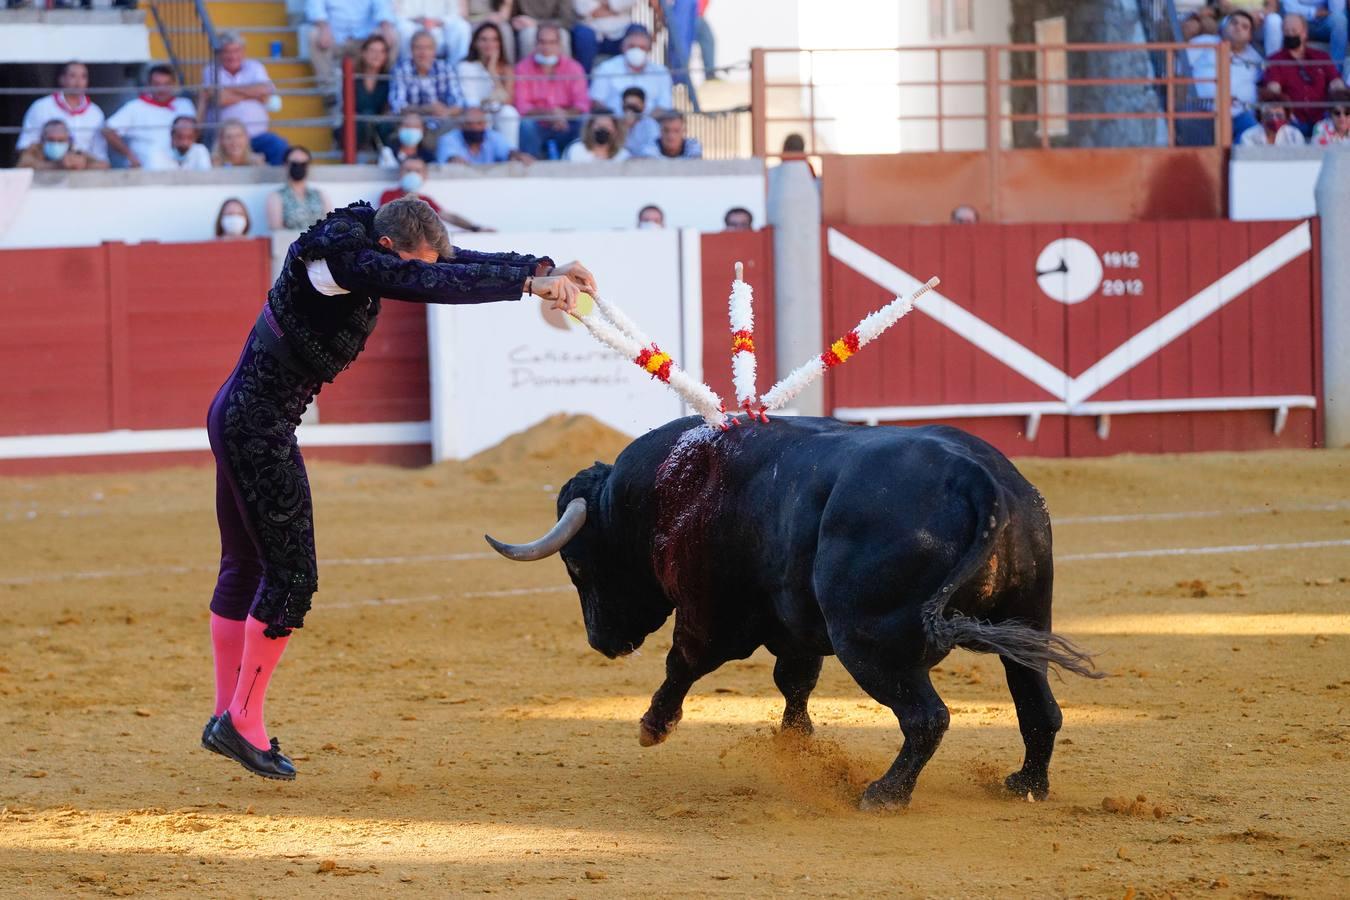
{"x": 1100, "y": 333}
{"x": 721, "y": 251}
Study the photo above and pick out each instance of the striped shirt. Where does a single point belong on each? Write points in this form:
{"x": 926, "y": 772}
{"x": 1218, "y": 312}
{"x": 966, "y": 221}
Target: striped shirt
{"x": 410, "y": 88}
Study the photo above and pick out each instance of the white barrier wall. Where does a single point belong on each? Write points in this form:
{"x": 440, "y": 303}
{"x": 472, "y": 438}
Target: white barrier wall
{"x": 1273, "y": 183}
{"x": 85, "y": 209}
{"x": 500, "y": 368}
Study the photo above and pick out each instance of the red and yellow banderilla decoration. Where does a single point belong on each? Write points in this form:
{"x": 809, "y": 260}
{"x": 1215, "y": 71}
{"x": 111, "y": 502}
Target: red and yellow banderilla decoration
{"x": 616, "y": 331}
{"x": 866, "y": 331}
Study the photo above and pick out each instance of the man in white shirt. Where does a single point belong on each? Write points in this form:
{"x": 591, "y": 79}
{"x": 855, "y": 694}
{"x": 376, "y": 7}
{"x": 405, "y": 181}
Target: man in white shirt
{"x": 185, "y": 153}
{"x": 634, "y": 68}
{"x": 71, "y": 105}
{"x": 444, "y": 19}
{"x": 140, "y": 129}
{"x": 600, "y": 28}
{"x": 244, "y": 93}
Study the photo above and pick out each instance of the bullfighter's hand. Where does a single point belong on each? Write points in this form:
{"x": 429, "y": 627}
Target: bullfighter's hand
{"x": 558, "y": 289}
{"x": 578, "y": 275}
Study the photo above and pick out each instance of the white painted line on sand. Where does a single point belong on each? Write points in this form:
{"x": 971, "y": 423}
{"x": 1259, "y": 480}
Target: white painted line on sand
{"x": 1196, "y": 514}
{"x": 1200, "y": 551}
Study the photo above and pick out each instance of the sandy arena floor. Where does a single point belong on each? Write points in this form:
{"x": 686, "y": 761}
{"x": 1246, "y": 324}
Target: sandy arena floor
{"x": 455, "y": 734}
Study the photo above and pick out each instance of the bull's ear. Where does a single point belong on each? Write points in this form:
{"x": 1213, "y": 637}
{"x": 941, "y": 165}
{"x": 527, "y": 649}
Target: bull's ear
{"x": 566, "y": 528}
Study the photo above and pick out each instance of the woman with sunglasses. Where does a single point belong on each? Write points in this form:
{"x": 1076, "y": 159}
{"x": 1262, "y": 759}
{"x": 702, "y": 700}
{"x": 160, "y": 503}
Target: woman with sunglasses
{"x": 1335, "y": 128}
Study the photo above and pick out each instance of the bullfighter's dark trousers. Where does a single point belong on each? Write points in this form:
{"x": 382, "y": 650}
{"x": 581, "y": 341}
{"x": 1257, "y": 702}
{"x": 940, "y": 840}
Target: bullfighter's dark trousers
{"x": 263, "y": 505}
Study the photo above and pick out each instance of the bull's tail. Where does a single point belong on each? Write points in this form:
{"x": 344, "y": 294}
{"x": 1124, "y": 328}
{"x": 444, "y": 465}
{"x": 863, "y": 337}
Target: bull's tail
{"x": 1012, "y": 639}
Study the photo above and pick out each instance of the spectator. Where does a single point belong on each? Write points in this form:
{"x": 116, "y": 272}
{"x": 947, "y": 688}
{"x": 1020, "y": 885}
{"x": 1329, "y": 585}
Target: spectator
{"x": 707, "y": 43}
{"x": 426, "y": 85}
{"x": 649, "y": 217}
{"x": 140, "y": 129}
{"x": 339, "y": 28}
{"x": 499, "y": 13}
{"x": 794, "y": 150}
{"x": 1335, "y": 128}
{"x": 530, "y": 15}
{"x": 295, "y": 205}
{"x": 370, "y": 93}
{"x": 633, "y": 69}
{"x": 601, "y": 139}
{"x": 681, "y": 21}
{"x": 643, "y": 130}
{"x": 1203, "y": 22}
{"x": 1324, "y": 20}
{"x": 1256, "y": 9}
{"x": 70, "y": 104}
{"x": 1302, "y": 75}
{"x": 1244, "y": 69}
{"x": 965, "y": 215}
{"x": 600, "y": 28}
{"x": 412, "y": 175}
{"x": 488, "y": 80}
{"x": 240, "y": 89}
{"x": 407, "y": 143}
{"x": 1275, "y": 127}
{"x": 673, "y": 144}
{"x": 550, "y": 96}
{"x": 473, "y": 142}
{"x": 185, "y": 153}
{"x": 738, "y": 218}
{"x": 233, "y": 148}
{"x": 54, "y": 150}
{"x": 232, "y": 222}
{"x": 442, "y": 19}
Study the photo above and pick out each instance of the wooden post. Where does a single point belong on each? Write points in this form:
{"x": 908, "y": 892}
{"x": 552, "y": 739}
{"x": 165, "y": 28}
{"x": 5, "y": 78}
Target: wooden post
{"x": 348, "y": 111}
{"x": 1223, "y": 98}
{"x": 993, "y": 112}
{"x": 758, "y": 105}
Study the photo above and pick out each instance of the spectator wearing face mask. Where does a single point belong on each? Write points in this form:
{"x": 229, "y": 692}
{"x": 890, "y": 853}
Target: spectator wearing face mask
{"x": 550, "y": 97}
{"x": 232, "y": 222}
{"x": 634, "y": 68}
{"x": 426, "y": 85}
{"x": 650, "y": 217}
{"x": 407, "y": 143}
{"x": 412, "y": 176}
{"x": 185, "y": 153}
{"x": 601, "y": 139}
{"x": 643, "y": 130}
{"x": 1335, "y": 128}
{"x": 1274, "y": 128}
{"x": 474, "y": 143}
{"x": 1325, "y": 20}
{"x": 738, "y": 218}
{"x": 1303, "y": 76}
{"x": 71, "y": 105}
{"x": 296, "y": 205}
{"x": 53, "y": 150}
{"x": 139, "y": 130}
{"x": 673, "y": 144}
{"x": 600, "y": 28}
{"x": 965, "y": 215}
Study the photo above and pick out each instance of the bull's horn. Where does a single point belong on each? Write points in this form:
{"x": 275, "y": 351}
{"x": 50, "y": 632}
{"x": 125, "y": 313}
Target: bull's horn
{"x": 566, "y": 528}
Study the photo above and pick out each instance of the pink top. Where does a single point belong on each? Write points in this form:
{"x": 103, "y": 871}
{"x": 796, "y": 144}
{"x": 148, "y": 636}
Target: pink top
{"x": 537, "y": 90}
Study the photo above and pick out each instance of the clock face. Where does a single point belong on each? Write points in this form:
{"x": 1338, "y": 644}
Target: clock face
{"x": 1068, "y": 270}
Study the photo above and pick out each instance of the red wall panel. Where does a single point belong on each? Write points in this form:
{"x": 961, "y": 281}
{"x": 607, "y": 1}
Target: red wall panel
{"x": 1262, "y": 342}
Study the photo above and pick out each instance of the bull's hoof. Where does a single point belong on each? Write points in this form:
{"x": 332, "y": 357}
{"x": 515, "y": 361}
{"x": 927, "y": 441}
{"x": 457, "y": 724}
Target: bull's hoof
{"x": 799, "y": 725}
{"x": 880, "y": 797}
{"x": 650, "y": 734}
{"x": 1020, "y": 784}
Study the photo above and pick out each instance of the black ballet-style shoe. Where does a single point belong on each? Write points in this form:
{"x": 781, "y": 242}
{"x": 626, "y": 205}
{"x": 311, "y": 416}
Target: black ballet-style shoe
{"x": 206, "y": 735}
{"x": 270, "y": 763}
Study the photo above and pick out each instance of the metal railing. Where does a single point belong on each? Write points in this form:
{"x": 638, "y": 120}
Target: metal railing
{"x": 965, "y": 97}
{"x": 185, "y": 28}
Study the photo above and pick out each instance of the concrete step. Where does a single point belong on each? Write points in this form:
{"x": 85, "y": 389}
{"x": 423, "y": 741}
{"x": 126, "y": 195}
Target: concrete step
{"x": 316, "y": 137}
{"x": 235, "y": 13}
{"x": 258, "y": 41}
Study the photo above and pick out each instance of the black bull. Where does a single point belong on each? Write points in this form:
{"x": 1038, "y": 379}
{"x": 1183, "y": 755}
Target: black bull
{"x": 884, "y": 546}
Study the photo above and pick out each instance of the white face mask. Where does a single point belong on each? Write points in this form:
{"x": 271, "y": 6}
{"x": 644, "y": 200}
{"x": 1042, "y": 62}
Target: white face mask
{"x": 636, "y": 56}
{"x": 545, "y": 60}
{"x": 648, "y": 225}
{"x": 410, "y": 182}
{"x": 233, "y": 223}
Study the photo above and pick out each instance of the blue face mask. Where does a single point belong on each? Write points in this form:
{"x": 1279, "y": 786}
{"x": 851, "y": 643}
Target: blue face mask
{"x": 410, "y": 182}
{"x": 55, "y": 150}
{"x": 409, "y": 137}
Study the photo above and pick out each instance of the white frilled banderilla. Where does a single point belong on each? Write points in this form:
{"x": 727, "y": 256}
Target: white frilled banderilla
{"x": 615, "y": 330}
{"x": 866, "y": 331}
